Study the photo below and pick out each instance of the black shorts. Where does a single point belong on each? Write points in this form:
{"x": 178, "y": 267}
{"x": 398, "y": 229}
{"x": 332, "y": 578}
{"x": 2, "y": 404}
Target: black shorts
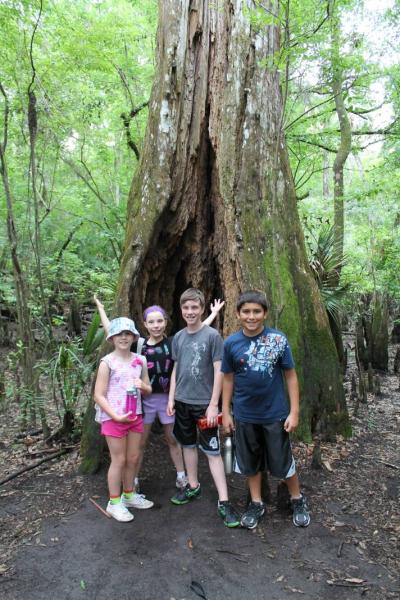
{"x": 187, "y": 433}
{"x": 263, "y": 447}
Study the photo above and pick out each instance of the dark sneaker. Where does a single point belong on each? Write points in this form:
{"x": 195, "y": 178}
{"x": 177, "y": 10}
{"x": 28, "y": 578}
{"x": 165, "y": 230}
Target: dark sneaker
{"x": 301, "y": 516}
{"x": 252, "y": 515}
{"x": 229, "y": 514}
{"x": 186, "y": 494}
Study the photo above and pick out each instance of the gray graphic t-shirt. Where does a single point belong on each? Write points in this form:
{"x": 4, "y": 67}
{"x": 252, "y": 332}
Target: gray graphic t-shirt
{"x": 194, "y": 355}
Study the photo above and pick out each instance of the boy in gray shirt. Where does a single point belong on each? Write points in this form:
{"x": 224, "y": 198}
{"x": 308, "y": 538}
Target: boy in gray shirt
{"x": 195, "y": 390}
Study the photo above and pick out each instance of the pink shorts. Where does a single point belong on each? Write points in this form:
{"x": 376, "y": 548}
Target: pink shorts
{"x": 119, "y": 430}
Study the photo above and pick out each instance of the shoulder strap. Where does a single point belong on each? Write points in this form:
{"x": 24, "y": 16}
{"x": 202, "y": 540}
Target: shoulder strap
{"x": 139, "y": 346}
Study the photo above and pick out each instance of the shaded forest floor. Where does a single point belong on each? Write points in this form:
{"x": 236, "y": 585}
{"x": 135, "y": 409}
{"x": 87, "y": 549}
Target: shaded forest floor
{"x": 56, "y": 544}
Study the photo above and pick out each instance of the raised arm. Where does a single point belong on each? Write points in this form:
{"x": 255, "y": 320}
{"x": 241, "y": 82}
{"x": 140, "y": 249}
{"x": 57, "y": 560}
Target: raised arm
{"x": 103, "y": 316}
{"x": 215, "y": 307}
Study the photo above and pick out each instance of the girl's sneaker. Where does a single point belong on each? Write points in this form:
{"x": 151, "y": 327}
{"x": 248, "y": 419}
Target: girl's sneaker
{"x": 301, "y": 515}
{"x": 181, "y": 482}
{"x": 136, "y": 501}
{"x": 119, "y": 512}
{"x": 252, "y": 515}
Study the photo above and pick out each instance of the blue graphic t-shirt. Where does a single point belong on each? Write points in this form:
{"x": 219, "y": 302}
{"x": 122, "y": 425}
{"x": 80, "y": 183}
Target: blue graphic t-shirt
{"x": 257, "y": 363}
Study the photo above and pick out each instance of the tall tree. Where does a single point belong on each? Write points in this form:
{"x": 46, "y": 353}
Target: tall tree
{"x": 213, "y": 202}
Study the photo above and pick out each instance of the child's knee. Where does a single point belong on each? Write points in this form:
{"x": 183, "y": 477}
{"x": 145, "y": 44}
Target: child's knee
{"x": 118, "y": 461}
{"x": 169, "y": 438}
{"x": 132, "y": 459}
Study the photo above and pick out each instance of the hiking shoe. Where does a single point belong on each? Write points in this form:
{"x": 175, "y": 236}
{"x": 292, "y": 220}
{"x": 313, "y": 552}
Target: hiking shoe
{"x": 252, "y": 515}
{"x": 181, "y": 482}
{"x": 186, "y": 494}
{"x": 119, "y": 512}
{"x": 301, "y": 516}
{"x": 229, "y": 514}
{"x": 137, "y": 501}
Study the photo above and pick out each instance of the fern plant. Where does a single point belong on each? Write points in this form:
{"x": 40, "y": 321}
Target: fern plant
{"x": 326, "y": 263}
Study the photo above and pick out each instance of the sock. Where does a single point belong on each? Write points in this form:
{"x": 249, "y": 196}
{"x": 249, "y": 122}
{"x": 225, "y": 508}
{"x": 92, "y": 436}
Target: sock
{"x": 180, "y": 474}
{"x": 115, "y": 499}
{"x": 128, "y": 493}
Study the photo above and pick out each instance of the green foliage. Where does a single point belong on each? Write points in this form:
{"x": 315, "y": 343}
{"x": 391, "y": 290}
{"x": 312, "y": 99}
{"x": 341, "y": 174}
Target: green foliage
{"x": 326, "y": 264}
{"x": 92, "y": 61}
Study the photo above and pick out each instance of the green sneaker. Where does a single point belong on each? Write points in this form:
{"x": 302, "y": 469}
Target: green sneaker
{"x": 229, "y": 514}
{"x": 186, "y": 494}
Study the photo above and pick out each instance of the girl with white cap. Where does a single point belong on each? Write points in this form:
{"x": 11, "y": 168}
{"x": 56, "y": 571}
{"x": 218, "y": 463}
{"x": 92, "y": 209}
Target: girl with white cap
{"x": 120, "y": 372}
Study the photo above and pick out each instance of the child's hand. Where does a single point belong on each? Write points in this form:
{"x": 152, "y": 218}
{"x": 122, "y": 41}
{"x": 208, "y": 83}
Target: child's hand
{"x": 216, "y": 306}
{"x": 228, "y": 423}
{"x": 139, "y": 384}
{"x": 291, "y": 423}
{"x": 171, "y": 408}
{"x": 212, "y": 415}
{"x": 97, "y": 301}
{"x": 142, "y": 386}
{"x": 126, "y": 418}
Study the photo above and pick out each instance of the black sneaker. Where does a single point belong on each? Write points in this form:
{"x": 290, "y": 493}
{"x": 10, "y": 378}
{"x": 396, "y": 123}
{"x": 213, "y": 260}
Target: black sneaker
{"x": 252, "y": 515}
{"x": 228, "y": 513}
{"x": 186, "y": 494}
{"x": 301, "y": 516}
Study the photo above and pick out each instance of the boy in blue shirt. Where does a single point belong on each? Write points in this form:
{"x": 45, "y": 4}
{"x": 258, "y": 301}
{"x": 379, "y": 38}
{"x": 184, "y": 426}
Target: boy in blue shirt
{"x": 254, "y": 362}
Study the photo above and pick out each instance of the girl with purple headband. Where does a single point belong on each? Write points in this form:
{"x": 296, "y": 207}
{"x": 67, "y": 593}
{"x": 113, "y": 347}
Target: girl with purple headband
{"x": 157, "y": 350}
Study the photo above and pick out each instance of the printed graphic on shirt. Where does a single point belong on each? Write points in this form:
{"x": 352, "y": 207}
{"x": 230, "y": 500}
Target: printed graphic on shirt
{"x": 159, "y": 365}
{"x": 264, "y": 353}
{"x": 198, "y": 350}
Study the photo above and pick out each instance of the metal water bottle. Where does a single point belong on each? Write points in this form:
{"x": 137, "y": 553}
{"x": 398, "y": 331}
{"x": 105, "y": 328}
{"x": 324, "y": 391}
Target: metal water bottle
{"x": 228, "y": 455}
{"x": 131, "y": 402}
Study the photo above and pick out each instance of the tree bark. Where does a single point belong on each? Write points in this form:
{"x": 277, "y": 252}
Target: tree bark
{"x": 213, "y": 202}
{"x": 379, "y": 355}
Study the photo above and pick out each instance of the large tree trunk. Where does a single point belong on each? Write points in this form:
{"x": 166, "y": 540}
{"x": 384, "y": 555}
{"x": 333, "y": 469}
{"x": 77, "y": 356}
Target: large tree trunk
{"x": 213, "y": 202}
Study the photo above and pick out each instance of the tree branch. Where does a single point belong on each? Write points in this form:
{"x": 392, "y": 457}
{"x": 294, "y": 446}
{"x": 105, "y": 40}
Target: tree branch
{"x": 126, "y": 119}
{"x": 311, "y": 143}
{"x": 31, "y": 48}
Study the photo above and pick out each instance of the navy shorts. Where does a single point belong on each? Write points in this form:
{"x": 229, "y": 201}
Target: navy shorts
{"x": 187, "y": 433}
{"x": 263, "y": 447}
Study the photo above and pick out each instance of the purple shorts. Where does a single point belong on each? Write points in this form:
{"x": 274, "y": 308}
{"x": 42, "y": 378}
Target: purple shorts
{"x": 120, "y": 430}
{"x": 156, "y": 404}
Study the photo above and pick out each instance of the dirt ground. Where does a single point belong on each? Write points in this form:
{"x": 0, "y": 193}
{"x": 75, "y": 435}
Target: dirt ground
{"x": 56, "y": 544}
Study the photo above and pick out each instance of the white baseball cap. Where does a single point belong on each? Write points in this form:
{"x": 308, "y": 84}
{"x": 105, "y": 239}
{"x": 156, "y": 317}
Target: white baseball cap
{"x": 121, "y": 324}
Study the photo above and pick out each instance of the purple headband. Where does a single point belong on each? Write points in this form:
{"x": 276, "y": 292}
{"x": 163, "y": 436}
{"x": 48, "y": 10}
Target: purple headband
{"x": 154, "y": 308}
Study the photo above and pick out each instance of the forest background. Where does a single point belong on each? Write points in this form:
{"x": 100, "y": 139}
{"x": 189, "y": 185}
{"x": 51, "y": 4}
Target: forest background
{"x": 75, "y": 81}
